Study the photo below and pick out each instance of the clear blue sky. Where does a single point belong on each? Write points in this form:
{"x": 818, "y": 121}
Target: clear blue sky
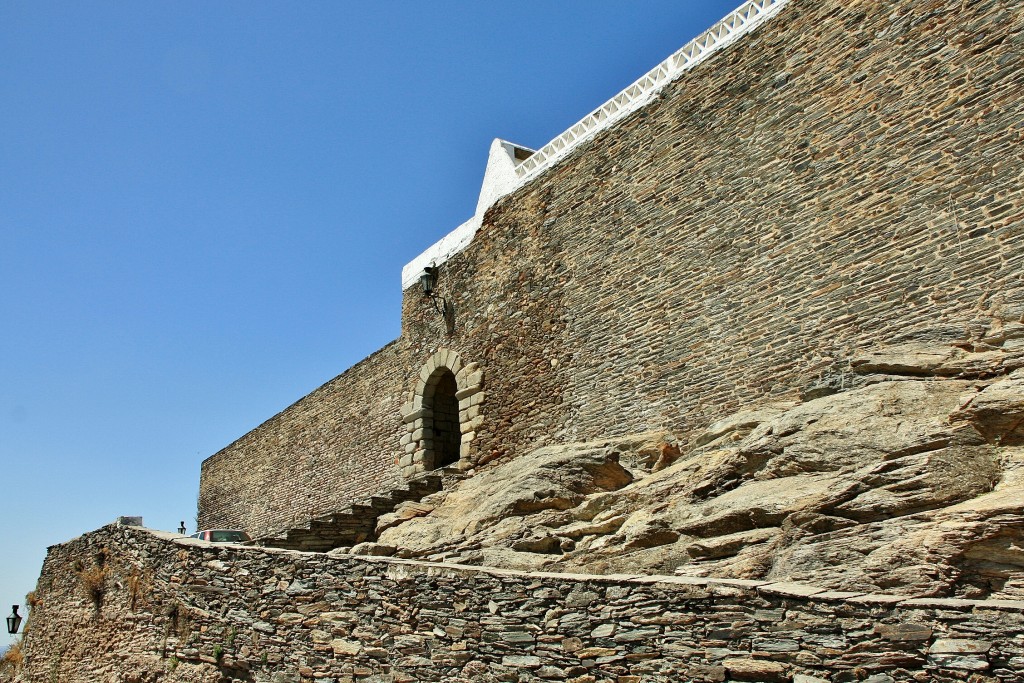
{"x": 205, "y": 209}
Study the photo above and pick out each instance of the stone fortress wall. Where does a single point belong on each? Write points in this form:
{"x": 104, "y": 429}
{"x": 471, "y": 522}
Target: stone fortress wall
{"x": 148, "y": 606}
{"x": 334, "y": 443}
{"x": 846, "y": 176}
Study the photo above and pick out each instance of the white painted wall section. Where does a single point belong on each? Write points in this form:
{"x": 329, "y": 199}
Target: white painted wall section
{"x": 500, "y": 178}
{"x": 506, "y": 171}
{"x": 440, "y": 251}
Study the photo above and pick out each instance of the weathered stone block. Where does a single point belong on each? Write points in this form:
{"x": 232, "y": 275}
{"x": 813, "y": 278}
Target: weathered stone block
{"x": 966, "y": 662}
{"x": 904, "y": 631}
{"x": 521, "y": 661}
{"x": 960, "y": 646}
{"x": 343, "y": 647}
{"x": 755, "y": 670}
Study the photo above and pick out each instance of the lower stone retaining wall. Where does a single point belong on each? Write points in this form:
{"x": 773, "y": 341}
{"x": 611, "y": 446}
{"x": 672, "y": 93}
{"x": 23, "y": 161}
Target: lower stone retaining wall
{"x": 127, "y": 604}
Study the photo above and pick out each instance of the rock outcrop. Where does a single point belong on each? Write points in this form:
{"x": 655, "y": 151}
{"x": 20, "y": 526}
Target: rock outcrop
{"x": 910, "y": 480}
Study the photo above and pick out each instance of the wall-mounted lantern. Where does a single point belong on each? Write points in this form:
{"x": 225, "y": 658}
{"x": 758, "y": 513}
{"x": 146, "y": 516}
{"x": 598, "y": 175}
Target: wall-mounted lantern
{"x": 428, "y": 281}
{"x": 181, "y": 528}
{"x": 14, "y": 621}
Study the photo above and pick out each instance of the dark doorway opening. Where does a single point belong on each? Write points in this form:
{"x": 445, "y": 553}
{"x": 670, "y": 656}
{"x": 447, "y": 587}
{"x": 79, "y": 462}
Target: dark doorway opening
{"x": 444, "y": 421}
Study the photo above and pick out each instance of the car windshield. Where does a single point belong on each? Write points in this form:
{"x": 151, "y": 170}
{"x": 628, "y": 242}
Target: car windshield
{"x": 225, "y": 536}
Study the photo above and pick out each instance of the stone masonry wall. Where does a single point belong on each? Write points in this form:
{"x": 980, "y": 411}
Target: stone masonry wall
{"x": 126, "y": 604}
{"x": 331, "y": 448}
{"x": 848, "y": 176}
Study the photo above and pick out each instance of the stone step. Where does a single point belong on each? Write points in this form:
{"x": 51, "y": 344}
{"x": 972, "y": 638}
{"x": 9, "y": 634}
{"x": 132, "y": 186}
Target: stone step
{"x": 339, "y": 528}
{"x": 357, "y": 523}
{"x": 310, "y": 541}
{"x": 428, "y": 479}
{"x": 413, "y": 493}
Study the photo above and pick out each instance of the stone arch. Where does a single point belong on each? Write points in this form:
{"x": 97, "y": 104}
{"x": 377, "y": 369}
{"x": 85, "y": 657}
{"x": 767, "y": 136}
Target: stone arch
{"x": 443, "y": 415}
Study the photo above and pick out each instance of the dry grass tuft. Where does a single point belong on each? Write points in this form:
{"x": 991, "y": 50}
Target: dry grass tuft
{"x": 12, "y": 659}
{"x": 94, "y": 578}
{"x": 139, "y": 588}
{"x": 94, "y": 581}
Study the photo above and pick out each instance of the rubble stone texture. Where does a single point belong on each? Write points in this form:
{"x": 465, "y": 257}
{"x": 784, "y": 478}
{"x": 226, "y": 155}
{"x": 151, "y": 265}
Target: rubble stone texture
{"x": 172, "y": 609}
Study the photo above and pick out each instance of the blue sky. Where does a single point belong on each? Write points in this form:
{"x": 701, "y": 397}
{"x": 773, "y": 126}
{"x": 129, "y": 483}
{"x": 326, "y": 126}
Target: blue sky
{"x": 205, "y": 209}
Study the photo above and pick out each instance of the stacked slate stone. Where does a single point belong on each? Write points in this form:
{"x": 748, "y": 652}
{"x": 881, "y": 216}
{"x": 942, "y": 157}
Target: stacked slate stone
{"x": 231, "y": 613}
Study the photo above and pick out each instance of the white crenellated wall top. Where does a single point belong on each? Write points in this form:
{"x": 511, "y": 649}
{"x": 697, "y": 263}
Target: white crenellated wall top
{"x": 510, "y": 166}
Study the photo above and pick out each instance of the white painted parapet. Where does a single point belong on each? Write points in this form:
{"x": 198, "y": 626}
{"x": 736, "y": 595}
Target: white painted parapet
{"x": 500, "y": 178}
{"x": 502, "y": 174}
{"x": 440, "y": 251}
{"x": 507, "y": 169}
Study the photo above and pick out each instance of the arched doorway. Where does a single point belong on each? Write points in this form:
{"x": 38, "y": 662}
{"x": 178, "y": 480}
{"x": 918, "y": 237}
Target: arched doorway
{"x": 442, "y": 431}
{"x": 443, "y": 416}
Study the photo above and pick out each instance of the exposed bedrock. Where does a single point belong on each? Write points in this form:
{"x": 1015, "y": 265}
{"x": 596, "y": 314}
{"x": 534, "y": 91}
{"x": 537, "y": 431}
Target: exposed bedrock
{"x": 912, "y": 481}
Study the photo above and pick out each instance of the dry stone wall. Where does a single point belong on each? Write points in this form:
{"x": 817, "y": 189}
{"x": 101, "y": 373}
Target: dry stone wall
{"x": 846, "y": 177}
{"x": 128, "y": 604}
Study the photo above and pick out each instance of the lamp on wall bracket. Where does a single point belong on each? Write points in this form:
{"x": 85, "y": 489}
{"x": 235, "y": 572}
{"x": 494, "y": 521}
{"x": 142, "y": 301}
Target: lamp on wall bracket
{"x": 14, "y": 621}
{"x": 428, "y": 281}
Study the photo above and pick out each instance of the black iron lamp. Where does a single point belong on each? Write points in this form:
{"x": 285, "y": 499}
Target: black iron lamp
{"x": 14, "y": 621}
{"x": 181, "y": 528}
{"x": 428, "y": 281}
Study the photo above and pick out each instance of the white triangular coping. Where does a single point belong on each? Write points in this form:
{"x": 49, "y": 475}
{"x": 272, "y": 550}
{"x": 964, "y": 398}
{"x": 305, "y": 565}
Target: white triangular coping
{"x": 505, "y": 173}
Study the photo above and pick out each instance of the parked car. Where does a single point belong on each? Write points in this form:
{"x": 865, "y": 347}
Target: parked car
{"x": 222, "y": 536}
